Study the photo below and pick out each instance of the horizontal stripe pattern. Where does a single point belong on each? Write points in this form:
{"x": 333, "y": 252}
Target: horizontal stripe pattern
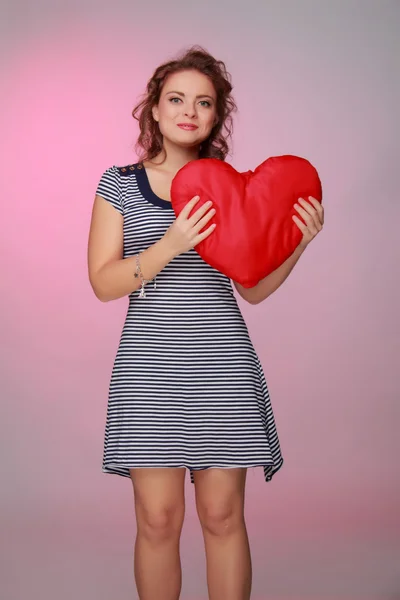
{"x": 187, "y": 388}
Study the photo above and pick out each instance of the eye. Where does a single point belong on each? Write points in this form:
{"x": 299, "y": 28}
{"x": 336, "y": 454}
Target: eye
{"x": 205, "y": 103}
{"x": 173, "y": 100}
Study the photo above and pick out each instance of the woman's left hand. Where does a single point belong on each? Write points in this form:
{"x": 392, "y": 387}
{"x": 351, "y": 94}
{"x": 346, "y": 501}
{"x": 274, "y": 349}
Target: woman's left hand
{"x": 312, "y": 213}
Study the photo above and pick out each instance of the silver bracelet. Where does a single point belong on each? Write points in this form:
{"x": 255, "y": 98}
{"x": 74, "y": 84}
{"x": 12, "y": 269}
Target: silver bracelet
{"x": 143, "y": 281}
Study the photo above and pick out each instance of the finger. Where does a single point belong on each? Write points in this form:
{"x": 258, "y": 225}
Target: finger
{"x": 300, "y": 225}
{"x": 303, "y": 212}
{"x": 202, "y": 236}
{"x": 308, "y": 231}
{"x": 308, "y": 207}
{"x": 187, "y": 209}
{"x": 199, "y": 213}
{"x": 200, "y": 224}
{"x": 309, "y": 214}
{"x": 318, "y": 207}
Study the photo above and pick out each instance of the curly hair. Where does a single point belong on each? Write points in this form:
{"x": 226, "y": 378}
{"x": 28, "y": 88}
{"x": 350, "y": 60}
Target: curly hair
{"x": 150, "y": 141}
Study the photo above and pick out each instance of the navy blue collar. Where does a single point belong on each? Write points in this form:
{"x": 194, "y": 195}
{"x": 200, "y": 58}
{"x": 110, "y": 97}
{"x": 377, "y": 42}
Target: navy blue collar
{"x": 145, "y": 189}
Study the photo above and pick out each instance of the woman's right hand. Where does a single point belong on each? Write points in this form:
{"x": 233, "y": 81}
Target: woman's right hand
{"x": 183, "y": 234}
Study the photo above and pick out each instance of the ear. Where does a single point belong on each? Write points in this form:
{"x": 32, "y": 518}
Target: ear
{"x": 154, "y": 111}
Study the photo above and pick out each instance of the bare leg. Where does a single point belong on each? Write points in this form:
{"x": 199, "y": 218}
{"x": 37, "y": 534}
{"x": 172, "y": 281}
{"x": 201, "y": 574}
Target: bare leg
{"x": 220, "y": 506}
{"x": 160, "y": 509}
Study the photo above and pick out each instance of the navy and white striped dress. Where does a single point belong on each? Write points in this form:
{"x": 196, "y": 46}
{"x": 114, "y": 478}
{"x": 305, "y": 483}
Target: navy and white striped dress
{"x": 187, "y": 388}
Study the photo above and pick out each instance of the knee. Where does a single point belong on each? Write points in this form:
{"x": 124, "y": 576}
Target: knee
{"x": 220, "y": 520}
{"x": 159, "y": 524}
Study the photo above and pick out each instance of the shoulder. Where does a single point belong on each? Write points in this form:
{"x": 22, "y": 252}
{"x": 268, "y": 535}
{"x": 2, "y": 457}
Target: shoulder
{"x": 118, "y": 178}
{"x": 128, "y": 170}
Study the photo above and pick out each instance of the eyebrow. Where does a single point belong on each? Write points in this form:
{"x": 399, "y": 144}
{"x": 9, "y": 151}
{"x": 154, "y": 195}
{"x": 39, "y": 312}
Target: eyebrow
{"x": 200, "y": 96}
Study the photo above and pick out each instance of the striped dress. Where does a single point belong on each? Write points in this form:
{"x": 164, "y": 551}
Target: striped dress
{"x": 187, "y": 388}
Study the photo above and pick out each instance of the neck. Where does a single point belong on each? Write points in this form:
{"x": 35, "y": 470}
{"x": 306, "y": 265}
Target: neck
{"x": 175, "y": 157}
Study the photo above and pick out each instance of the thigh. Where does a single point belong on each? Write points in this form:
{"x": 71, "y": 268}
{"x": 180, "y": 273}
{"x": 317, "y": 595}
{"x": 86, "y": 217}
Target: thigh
{"x": 220, "y": 494}
{"x": 159, "y": 496}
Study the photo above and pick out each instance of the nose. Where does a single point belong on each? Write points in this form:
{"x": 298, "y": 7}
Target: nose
{"x": 190, "y": 112}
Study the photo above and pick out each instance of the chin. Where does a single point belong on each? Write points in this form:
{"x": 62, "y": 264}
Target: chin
{"x": 184, "y": 138}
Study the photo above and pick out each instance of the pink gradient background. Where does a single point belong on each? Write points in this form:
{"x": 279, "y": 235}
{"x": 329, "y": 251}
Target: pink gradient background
{"x": 318, "y": 79}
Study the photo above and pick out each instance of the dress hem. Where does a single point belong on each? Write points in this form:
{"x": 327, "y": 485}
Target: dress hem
{"x": 123, "y": 469}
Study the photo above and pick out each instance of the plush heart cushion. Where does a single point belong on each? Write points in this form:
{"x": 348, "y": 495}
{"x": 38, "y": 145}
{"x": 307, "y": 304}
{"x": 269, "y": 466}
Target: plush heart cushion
{"x": 255, "y": 232}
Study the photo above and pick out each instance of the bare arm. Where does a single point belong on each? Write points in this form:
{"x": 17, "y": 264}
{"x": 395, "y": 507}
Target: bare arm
{"x": 313, "y": 214}
{"x": 112, "y": 276}
{"x": 271, "y": 282}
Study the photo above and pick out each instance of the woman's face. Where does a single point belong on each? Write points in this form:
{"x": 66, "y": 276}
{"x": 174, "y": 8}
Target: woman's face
{"x": 186, "y": 112}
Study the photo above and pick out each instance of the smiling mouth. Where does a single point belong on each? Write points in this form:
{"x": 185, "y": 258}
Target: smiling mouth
{"x": 187, "y": 126}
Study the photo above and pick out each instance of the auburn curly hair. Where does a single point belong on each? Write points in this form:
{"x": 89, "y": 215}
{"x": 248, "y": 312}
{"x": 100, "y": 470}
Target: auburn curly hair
{"x": 150, "y": 142}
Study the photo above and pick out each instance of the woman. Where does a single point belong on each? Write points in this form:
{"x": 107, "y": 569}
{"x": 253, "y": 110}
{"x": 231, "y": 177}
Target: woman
{"x": 187, "y": 388}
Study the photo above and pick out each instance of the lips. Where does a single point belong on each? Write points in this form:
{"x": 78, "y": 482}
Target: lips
{"x": 187, "y": 126}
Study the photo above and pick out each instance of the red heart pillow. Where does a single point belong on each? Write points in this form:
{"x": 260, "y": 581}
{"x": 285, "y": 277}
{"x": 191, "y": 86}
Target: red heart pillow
{"x": 255, "y": 232}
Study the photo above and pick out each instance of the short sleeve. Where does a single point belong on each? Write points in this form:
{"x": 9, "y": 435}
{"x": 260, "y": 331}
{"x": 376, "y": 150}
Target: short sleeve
{"x": 109, "y": 188}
